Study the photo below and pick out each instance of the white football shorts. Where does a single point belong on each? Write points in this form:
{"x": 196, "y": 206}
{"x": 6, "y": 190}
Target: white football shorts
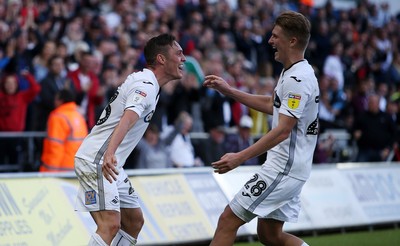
{"x": 97, "y": 193}
{"x": 268, "y": 194}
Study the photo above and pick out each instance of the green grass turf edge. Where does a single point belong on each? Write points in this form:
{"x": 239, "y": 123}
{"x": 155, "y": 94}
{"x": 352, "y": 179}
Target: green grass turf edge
{"x": 386, "y": 237}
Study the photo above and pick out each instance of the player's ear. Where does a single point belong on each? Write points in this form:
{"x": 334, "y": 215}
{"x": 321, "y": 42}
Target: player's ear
{"x": 161, "y": 58}
{"x": 293, "y": 41}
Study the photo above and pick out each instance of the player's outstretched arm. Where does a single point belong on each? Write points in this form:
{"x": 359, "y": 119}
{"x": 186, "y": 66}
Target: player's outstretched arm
{"x": 260, "y": 103}
{"x": 232, "y": 160}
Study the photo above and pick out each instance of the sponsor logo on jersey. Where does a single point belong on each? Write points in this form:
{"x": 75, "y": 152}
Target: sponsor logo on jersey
{"x": 295, "y": 78}
{"x": 90, "y": 197}
{"x": 115, "y": 200}
{"x": 148, "y": 117}
{"x": 294, "y": 100}
{"x": 131, "y": 190}
{"x": 312, "y": 129}
{"x": 143, "y": 94}
{"x": 139, "y": 96}
{"x": 107, "y": 111}
{"x": 277, "y": 101}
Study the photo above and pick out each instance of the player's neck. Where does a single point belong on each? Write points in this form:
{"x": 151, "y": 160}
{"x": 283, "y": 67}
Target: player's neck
{"x": 160, "y": 76}
{"x": 295, "y": 58}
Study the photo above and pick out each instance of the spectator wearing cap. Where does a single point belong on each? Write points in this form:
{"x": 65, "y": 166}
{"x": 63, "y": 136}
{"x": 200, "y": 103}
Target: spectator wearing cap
{"x": 235, "y": 142}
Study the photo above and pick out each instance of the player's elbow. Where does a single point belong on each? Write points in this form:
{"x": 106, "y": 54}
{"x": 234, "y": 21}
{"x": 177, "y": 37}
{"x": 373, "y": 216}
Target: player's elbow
{"x": 285, "y": 133}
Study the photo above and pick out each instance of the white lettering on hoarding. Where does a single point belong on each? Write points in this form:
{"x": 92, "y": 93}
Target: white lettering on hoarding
{"x": 175, "y": 209}
{"x": 14, "y": 228}
{"x": 375, "y": 187}
{"x": 189, "y": 231}
{"x": 8, "y": 206}
{"x": 37, "y": 199}
{"x": 56, "y": 237}
{"x": 160, "y": 188}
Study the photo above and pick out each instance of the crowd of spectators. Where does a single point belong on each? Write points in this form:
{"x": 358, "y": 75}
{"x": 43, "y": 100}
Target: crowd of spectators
{"x": 90, "y": 46}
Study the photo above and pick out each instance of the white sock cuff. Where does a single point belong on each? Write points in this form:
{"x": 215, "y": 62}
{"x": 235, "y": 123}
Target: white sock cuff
{"x": 122, "y": 238}
{"x": 127, "y": 236}
{"x": 96, "y": 240}
{"x": 305, "y": 244}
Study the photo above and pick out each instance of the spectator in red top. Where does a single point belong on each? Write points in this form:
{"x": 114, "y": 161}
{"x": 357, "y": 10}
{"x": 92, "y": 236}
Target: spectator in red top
{"x": 13, "y": 109}
{"x": 87, "y": 86}
{"x": 29, "y": 11}
{"x": 14, "y": 103}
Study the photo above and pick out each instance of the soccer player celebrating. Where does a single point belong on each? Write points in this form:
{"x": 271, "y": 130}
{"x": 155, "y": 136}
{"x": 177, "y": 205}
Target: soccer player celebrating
{"x": 105, "y": 190}
{"x": 273, "y": 194}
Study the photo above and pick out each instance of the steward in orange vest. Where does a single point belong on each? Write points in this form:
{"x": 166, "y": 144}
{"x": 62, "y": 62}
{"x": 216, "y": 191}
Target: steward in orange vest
{"x": 66, "y": 129}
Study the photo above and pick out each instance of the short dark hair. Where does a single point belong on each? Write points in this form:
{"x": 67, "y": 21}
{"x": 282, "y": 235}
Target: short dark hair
{"x": 66, "y": 95}
{"x": 157, "y": 45}
{"x": 52, "y": 58}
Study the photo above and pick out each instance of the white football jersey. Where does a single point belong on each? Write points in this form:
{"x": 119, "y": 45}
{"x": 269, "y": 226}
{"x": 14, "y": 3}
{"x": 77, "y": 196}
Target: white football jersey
{"x": 139, "y": 93}
{"x": 296, "y": 95}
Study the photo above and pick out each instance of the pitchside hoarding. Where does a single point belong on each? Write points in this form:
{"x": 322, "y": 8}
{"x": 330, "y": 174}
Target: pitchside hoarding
{"x": 184, "y": 207}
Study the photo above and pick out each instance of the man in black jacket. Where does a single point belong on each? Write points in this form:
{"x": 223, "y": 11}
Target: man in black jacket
{"x": 375, "y": 133}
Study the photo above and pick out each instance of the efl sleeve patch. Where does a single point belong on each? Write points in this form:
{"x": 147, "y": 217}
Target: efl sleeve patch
{"x": 139, "y": 96}
{"x": 294, "y": 100}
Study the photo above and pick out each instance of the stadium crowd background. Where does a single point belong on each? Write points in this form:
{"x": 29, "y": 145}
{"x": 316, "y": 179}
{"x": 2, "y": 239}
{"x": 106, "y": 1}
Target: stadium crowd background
{"x": 355, "y": 53}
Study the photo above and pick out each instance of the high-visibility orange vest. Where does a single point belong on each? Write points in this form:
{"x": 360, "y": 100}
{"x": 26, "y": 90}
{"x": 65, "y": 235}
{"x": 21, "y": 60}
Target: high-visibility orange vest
{"x": 66, "y": 129}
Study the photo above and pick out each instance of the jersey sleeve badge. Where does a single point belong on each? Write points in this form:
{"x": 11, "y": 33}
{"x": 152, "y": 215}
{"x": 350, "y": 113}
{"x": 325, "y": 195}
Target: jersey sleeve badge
{"x": 139, "y": 96}
{"x": 294, "y": 100}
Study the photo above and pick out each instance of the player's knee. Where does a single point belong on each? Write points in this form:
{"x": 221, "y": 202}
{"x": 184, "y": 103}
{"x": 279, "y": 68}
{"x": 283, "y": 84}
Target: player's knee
{"x": 114, "y": 228}
{"x": 140, "y": 223}
{"x": 268, "y": 238}
{"x": 223, "y": 219}
{"x": 133, "y": 226}
{"x": 227, "y": 222}
{"x": 110, "y": 227}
